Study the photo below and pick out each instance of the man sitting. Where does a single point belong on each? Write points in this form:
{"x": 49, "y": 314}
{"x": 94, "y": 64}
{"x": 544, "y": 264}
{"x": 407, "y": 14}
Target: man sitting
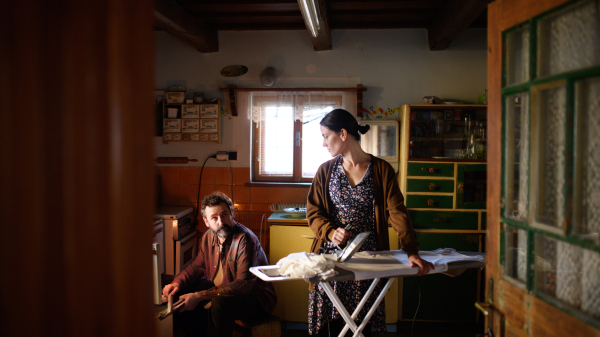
{"x": 219, "y": 279}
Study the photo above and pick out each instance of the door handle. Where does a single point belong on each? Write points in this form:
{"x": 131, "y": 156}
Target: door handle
{"x": 483, "y": 307}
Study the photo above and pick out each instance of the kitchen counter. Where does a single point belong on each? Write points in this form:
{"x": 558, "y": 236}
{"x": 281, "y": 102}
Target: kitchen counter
{"x": 282, "y": 218}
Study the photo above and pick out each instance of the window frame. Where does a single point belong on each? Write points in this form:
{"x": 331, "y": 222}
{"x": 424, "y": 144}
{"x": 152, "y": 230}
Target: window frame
{"x": 296, "y": 176}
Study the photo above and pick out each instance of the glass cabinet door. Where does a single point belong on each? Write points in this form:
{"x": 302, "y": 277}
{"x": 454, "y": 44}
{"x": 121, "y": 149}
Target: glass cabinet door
{"x": 448, "y": 133}
{"x": 382, "y": 140}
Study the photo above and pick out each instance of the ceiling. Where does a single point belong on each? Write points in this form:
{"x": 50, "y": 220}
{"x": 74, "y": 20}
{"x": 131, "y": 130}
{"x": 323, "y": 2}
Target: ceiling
{"x": 196, "y": 22}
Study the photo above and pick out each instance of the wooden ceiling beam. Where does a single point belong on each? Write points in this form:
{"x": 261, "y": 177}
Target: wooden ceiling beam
{"x": 175, "y": 20}
{"x": 452, "y": 19}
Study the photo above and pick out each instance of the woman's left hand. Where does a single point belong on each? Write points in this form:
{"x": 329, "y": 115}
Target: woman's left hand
{"x": 424, "y": 266}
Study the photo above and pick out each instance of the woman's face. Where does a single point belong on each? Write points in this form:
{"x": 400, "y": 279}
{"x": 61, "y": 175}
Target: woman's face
{"x": 333, "y": 141}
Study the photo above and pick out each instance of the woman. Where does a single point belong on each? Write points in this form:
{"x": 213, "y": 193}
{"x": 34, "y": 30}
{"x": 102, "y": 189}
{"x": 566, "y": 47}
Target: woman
{"x": 360, "y": 191}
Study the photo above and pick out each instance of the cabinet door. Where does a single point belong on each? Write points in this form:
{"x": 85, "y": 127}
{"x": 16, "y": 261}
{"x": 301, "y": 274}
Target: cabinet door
{"x": 443, "y": 298}
{"x": 471, "y": 182}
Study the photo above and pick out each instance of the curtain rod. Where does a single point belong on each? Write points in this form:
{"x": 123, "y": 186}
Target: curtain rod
{"x": 231, "y": 89}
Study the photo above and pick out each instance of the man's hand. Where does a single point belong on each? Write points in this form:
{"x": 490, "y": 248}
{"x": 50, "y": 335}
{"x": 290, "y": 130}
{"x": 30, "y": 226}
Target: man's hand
{"x": 424, "y": 266}
{"x": 170, "y": 289}
{"x": 192, "y": 300}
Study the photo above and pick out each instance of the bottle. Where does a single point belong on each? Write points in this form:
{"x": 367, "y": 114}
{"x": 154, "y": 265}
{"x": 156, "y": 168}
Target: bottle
{"x": 471, "y": 147}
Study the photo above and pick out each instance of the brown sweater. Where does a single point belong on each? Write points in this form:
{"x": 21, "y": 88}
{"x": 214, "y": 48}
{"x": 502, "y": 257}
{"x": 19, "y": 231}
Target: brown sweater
{"x": 389, "y": 208}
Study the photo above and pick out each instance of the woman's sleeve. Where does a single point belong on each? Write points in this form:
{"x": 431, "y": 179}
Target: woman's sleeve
{"x": 398, "y": 214}
{"x": 316, "y": 213}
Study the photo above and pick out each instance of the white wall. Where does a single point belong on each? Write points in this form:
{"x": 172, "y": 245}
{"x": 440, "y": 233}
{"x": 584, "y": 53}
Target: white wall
{"x": 394, "y": 65}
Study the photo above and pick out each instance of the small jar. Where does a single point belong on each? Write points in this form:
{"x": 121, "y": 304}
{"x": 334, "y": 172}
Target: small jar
{"x": 198, "y": 97}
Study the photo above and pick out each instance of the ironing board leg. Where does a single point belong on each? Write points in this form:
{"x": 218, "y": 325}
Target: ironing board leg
{"x": 380, "y": 298}
{"x": 340, "y": 307}
{"x": 362, "y": 303}
{"x": 344, "y": 313}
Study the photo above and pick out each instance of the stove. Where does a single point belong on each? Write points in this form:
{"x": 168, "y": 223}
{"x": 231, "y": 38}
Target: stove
{"x": 180, "y": 236}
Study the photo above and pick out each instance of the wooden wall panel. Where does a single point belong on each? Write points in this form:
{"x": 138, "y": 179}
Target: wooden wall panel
{"x": 76, "y": 170}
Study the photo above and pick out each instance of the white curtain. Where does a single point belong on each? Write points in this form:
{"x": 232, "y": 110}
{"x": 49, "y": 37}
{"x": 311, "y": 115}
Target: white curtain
{"x": 306, "y": 105}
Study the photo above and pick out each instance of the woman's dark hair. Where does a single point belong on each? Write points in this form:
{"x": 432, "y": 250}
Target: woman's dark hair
{"x": 339, "y": 119}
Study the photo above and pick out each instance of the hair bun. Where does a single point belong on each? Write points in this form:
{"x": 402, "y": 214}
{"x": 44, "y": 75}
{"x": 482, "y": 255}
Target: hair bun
{"x": 364, "y": 128}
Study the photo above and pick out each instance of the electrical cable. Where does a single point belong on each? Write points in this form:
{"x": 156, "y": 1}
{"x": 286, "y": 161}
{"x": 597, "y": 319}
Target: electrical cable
{"x": 200, "y": 185}
{"x": 418, "y": 305}
{"x": 230, "y": 181}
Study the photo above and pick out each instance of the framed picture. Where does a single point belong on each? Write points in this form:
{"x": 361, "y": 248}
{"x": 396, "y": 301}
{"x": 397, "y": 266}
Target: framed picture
{"x": 204, "y": 136}
{"x": 172, "y": 125}
{"x": 190, "y": 111}
{"x": 209, "y": 111}
{"x": 208, "y": 125}
{"x": 189, "y": 125}
{"x": 177, "y": 136}
{"x": 213, "y": 136}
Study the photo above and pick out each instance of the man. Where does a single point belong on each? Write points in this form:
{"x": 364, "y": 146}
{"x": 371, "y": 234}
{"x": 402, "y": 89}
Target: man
{"x": 219, "y": 279}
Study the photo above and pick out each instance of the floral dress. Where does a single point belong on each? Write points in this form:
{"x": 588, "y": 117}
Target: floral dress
{"x": 350, "y": 206}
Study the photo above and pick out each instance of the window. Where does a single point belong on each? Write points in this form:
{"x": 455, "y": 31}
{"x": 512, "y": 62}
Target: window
{"x": 288, "y": 146}
{"x": 551, "y": 162}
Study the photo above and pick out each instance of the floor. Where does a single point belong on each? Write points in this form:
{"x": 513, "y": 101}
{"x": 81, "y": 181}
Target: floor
{"x": 405, "y": 333}
{"x": 440, "y": 329}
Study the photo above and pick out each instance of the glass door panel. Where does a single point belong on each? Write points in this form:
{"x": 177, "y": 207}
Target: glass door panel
{"x": 516, "y": 159}
{"x": 570, "y": 39}
{"x": 586, "y": 205}
{"x": 515, "y": 264}
{"x": 550, "y": 126}
{"x": 568, "y": 273}
{"x": 517, "y": 61}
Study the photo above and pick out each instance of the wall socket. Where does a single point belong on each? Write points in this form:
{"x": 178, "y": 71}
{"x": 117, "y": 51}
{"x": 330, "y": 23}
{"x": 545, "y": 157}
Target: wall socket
{"x": 232, "y": 155}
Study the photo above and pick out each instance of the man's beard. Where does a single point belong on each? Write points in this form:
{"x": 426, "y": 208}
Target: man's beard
{"x": 223, "y": 231}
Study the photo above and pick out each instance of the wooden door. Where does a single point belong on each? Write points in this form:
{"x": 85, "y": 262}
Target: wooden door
{"x": 76, "y": 168}
{"x": 543, "y": 200}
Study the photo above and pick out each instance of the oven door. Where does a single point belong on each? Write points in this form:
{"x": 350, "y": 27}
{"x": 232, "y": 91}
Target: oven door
{"x": 186, "y": 250}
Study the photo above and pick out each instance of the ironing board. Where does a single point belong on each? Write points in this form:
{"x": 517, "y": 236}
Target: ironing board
{"x": 387, "y": 271}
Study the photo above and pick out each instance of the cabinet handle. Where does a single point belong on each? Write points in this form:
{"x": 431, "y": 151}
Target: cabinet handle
{"x": 460, "y": 187}
{"x": 431, "y": 186}
{"x": 430, "y": 202}
{"x": 428, "y": 169}
{"x": 440, "y": 220}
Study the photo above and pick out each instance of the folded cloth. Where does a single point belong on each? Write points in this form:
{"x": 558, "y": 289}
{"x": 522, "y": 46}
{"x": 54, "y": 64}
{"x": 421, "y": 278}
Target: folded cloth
{"x": 389, "y": 263}
{"x": 306, "y": 264}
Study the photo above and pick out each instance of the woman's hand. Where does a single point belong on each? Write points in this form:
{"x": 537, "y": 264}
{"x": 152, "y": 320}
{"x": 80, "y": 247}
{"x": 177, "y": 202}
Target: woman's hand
{"x": 340, "y": 236}
{"x": 424, "y": 266}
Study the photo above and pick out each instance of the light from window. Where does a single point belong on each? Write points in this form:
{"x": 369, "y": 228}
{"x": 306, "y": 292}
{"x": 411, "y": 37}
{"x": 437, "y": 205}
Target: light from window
{"x": 313, "y": 152}
{"x": 277, "y": 150}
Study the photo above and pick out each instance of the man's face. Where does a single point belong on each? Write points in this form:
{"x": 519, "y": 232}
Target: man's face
{"x": 219, "y": 219}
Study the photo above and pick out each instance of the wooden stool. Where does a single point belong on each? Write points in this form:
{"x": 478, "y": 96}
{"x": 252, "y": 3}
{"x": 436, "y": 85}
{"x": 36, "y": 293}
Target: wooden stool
{"x": 269, "y": 326}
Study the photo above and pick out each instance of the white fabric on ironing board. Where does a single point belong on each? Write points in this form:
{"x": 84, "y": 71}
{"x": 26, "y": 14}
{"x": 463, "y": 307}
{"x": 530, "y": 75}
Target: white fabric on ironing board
{"x": 369, "y": 265}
